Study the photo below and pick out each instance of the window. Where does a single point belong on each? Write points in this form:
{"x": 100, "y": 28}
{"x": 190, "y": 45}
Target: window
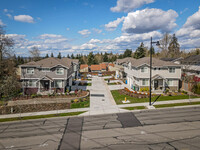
{"x": 60, "y": 71}
{"x": 45, "y": 70}
{"x": 171, "y": 70}
{"x": 32, "y": 83}
{"x": 144, "y": 69}
{"x": 30, "y": 70}
{"x": 170, "y": 82}
{"x": 58, "y": 83}
{"x": 145, "y": 82}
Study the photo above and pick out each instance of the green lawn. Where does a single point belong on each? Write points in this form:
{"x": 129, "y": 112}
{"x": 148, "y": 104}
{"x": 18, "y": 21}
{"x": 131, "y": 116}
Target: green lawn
{"x": 176, "y": 104}
{"x": 119, "y": 97}
{"x": 134, "y": 108}
{"x": 42, "y": 116}
{"x": 81, "y": 104}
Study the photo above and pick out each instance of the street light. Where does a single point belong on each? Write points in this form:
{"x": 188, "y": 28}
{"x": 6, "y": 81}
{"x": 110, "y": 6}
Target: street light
{"x": 157, "y": 43}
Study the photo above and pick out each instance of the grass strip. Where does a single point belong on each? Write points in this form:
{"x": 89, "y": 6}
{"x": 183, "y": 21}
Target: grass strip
{"x": 120, "y": 97}
{"x": 134, "y": 108}
{"x": 41, "y": 116}
{"x": 176, "y": 104}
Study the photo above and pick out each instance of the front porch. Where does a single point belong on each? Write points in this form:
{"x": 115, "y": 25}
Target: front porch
{"x": 158, "y": 83}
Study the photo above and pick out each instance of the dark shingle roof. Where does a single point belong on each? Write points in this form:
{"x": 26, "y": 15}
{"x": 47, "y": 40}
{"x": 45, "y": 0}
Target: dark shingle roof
{"x": 155, "y": 62}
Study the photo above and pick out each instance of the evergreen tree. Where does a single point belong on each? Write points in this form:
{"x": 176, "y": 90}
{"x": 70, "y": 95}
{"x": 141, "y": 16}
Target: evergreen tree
{"x": 127, "y": 53}
{"x": 140, "y": 51}
{"x": 52, "y": 54}
{"x": 72, "y": 56}
{"x": 105, "y": 57}
{"x": 68, "y": 56}
{"x": 47, "y": 56}
{"x": 59, "y": 55}
{"x": 91, "y": 59}
{"x": 174, "y": 47}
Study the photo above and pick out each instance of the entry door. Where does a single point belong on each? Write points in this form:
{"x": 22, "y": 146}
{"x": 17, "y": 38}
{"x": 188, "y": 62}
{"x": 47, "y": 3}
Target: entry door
{"x": 46, "y": 85}
{"x": 156, "y": 84}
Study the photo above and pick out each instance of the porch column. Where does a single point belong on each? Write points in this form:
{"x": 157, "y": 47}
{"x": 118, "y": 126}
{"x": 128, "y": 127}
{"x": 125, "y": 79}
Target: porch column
{"x": 50, "y": 86}
{"x": 153, "y": 88}
{"x": 163, "y": 84}
{"x": 39, "y": 87}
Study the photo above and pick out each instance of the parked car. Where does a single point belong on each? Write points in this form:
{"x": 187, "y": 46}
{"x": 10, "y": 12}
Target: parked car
{"x": 100, "y": 74}
{"x": 89, "y": 76}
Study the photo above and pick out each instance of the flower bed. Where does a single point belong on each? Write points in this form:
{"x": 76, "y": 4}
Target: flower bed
{"x": 135, "y": 94}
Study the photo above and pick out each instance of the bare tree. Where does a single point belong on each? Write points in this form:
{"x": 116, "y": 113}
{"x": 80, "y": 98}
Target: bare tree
{"x": 35, "y": 53}
{"x": 6, "y": 44}
{"x": 164, "y": 44}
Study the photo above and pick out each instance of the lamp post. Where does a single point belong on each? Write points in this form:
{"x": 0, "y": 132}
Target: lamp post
{"x": 157, "y": 43}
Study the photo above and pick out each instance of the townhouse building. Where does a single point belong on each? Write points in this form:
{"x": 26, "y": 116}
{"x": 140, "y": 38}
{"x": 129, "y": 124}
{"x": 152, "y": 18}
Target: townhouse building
{"x": 164, "y": 74}
{"x": 50, "y": 75}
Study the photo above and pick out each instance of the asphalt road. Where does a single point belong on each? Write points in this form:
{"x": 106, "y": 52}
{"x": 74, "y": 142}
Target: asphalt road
{"x": 166, "y": 129}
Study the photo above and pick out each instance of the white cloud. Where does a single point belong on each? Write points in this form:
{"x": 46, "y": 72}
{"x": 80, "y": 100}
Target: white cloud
{"x": 97, "y": 30}
{"x": 94, "y": 41}
{"x": 129, "y": 5}
{"x": 1, "y": 23}
{"x": 67, "y": 29}
{"x": 5, "y": 10}
{"x": 51, "y": 41}
{"x": 189, "y": 34}
{"x": 46, "y": 36}
{"x": 84, "y": 32}
{"x": 147, "y": 20}
{"x": 87, "y": 46}
{"x": 24, "y": 18}
{"x": 113, "y": 24}
{"x": 9, "y": 16}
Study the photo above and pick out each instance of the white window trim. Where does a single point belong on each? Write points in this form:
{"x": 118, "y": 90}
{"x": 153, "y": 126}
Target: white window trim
{"x": 32, "y": 82}
{"x": 58, "y": 73}
{"x": 172, "y": 69}
{"x": 56, "y": 84}
{"x": 145, "y": 68}
{"x": 172, "y": 81}
{"x": 30, "y": 68}
{"x": 145, "y": 82}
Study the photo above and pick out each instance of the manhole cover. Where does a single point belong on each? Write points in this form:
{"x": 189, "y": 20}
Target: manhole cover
{"x": 97, "y": 95}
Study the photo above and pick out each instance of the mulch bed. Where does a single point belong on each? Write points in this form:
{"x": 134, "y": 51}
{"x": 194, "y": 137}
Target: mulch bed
{"x": 132, "y": 94}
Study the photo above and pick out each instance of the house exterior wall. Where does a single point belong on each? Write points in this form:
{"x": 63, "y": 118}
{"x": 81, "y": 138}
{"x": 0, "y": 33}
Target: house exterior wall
{"x": 135, "y": 76}
{"x": 84, "y": 69}
{"x": 38, "y": 73}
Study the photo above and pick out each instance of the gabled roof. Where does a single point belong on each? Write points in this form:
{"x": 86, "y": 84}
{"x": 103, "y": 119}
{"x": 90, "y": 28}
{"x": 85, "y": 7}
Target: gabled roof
{"x": 125, "y": 60}
{"x": 194, "y": 59}
{"x": 111, "y": 65}
{"x": 155, "y": 62}
{"x": 50, "y": 62}
{"x": 83, "y": 66}
{"x": 157, "y": 76}
{"x": 95, "y": 67}
{"x": 103, "y": 66}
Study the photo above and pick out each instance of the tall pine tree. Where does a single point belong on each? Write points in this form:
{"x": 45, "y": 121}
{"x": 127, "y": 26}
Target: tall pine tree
{"x": 140, "y": 51}
{"x": 174, "y": 47}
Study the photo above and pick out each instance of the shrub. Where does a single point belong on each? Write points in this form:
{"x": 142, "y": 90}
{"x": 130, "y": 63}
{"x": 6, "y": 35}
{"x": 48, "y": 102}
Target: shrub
{"x": 72, "y": 101}
{"x": 49, "y": 95}
{"x": 39, "y": 95}
{"x": 196, "y": 88}
{"x": 76, "y": 101}
{"x": 33, "y": 96}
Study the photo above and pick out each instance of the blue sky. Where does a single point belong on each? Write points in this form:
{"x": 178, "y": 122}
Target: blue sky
{"x": 82, "y": 26}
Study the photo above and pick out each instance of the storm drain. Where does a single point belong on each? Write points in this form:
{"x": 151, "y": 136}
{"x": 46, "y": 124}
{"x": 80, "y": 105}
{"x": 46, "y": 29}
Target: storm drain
{"x": 97, "y": 95}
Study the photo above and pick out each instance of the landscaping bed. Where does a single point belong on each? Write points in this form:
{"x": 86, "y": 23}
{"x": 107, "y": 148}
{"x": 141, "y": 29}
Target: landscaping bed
{"x": 54, "y": 104}
{"x": 114, "y": 83}
{"x": 84, "y": 84}
{"x": 119, "y": 96}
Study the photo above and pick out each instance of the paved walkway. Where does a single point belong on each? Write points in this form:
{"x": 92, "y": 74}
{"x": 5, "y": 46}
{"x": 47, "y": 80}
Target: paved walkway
{"x": 101, "y": 100}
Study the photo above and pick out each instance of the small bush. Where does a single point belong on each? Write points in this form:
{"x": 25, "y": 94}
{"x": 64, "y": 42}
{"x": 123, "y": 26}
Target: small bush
{"x": 76, "y": 101}
{"x": 33, "y": 96}
{"x": 72, "y": 101}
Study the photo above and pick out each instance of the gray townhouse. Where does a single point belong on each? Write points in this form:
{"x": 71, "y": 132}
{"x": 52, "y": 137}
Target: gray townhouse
{"x": 50, "y": 75}
{"x": 164, "y": 74}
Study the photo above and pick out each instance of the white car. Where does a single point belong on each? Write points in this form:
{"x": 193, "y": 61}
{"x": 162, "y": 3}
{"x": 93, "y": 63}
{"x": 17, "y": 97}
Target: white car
{"x": 100, "y": 74}
{"x": 89, "y": 76}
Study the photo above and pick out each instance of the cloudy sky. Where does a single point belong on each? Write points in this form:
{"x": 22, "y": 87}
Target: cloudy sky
{"x": 82, "y": 26}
